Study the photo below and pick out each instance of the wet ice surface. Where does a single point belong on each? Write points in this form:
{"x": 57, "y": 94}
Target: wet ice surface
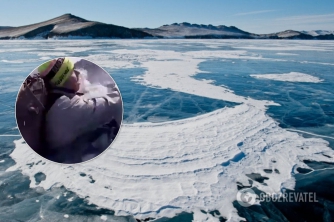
{"x": 179, "y": 163}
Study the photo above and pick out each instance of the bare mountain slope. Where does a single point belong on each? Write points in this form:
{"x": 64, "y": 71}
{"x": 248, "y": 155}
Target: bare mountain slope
{"x": 70, "y": 25}
{"x": 187, "y": 30}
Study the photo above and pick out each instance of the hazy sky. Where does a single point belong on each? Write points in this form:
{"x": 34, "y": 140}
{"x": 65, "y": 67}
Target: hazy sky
{"x": 257, "y": 16}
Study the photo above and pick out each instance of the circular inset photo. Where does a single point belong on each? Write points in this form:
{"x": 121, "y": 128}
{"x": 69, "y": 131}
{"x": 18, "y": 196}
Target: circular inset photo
{"x": 69, "y": 110}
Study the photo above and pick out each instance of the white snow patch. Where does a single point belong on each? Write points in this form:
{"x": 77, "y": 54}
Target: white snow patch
{"x": 286, "y": 53}
{"x": 13, "y": 61}
{"x": 20, "y": 60}
{"x": 104, "y": 217}
{"x": 320, "y": 63}
{"x": 289, "y": 77}
{"x": 199, "y": 216}
{"x": 46, "y": 58}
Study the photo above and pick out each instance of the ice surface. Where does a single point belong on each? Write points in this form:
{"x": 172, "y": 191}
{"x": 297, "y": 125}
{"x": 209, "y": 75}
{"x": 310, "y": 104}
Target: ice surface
{"x": 191, "y": 163}
{"x": 289, "y": 77}
{"x": 280, "y": 48}
{"x": 161, "y": 169}
{"x": 174, "y": 70}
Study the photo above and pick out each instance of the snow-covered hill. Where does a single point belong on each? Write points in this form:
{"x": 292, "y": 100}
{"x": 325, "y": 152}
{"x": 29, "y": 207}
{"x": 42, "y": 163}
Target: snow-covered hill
{"x": 318, "y": 32}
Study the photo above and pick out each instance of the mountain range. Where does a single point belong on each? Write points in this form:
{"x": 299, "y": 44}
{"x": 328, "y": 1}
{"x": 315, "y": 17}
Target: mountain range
{"x": 71, "y": 26}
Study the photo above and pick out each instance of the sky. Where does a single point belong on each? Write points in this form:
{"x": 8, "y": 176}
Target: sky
{"x": 256, "y": 16}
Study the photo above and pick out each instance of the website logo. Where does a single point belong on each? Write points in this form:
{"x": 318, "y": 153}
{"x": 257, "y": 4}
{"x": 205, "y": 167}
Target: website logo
{"x": 246, "y": 197}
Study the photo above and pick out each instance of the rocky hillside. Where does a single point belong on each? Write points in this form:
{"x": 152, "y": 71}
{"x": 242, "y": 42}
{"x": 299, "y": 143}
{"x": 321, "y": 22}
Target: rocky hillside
{"x": 193, "y": 31}
{"x": 187, "y": 30}
{"x": 69, "y": 25}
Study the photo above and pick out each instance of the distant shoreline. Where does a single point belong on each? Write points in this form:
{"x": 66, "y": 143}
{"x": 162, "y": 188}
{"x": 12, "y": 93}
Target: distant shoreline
{"x": 148, "y": 39}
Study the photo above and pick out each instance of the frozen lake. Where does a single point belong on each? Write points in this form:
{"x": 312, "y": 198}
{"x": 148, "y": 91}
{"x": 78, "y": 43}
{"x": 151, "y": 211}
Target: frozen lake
{"x": 199, "y": 116}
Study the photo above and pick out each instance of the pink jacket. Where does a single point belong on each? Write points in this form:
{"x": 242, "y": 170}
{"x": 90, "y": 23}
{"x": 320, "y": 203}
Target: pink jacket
{"x": 69, "y": 118}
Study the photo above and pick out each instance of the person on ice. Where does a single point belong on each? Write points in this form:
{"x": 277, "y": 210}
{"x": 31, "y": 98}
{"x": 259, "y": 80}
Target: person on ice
{"x": 70, "y": 118}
